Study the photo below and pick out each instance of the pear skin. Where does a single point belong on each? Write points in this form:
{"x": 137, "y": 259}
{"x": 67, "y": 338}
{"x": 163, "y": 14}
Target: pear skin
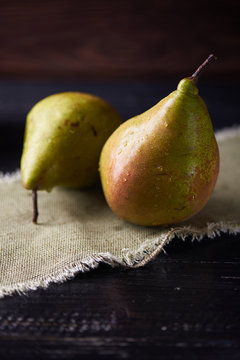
{"x": 63, "y": 139}
{"x": 160, "y": 167}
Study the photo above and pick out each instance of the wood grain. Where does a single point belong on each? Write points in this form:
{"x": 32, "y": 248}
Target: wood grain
{"x": 184, "y": 305}
{"x": 117, "y": 39}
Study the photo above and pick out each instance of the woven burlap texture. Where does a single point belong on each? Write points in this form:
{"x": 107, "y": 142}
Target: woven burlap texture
{"x": 77, "y": 230}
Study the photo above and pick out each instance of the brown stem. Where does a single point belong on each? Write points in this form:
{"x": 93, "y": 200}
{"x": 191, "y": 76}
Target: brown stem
{"x": 196, "y": 74}
{"x": 35, "y": 206}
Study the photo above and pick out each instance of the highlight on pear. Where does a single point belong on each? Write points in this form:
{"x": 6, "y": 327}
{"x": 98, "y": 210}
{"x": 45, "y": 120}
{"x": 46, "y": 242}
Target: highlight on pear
{"x": 161, "y": 167}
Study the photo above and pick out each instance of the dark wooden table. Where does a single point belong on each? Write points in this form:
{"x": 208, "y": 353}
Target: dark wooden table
{"x": 183, "y": 305}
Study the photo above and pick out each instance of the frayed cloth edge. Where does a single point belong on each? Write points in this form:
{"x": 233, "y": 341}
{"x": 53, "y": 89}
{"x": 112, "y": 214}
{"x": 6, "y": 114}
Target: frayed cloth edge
{"x": 130, "y": 260}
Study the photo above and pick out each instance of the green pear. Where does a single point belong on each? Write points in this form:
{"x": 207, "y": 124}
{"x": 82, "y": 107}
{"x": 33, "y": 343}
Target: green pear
{"x": 160, "y": 167}
{"x": 63, "y": 139}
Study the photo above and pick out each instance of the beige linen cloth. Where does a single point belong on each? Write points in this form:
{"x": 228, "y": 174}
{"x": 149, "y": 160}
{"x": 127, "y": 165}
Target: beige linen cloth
{"x": 77, "y": 230}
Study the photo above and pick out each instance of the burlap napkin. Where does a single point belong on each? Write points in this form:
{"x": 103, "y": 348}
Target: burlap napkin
{"x": 77, "y": 230}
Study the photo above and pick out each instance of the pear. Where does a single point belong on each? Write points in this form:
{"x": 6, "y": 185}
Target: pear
{"x": 64, "y": 135}
{"x": 160, "y": 167}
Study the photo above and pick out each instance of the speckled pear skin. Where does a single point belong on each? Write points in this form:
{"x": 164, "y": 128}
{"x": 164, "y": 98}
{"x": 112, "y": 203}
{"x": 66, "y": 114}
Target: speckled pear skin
{"x": 160, "y": 167}
{"x": 64, "y": 135}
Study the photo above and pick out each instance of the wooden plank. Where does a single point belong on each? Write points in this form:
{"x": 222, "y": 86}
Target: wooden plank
{"x": 118, "y": 39}
{"x": 183, "y": 305}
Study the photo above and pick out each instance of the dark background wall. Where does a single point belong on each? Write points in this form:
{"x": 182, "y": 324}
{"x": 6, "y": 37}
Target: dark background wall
{"x": 131, "y": 53}
{"x": 126, "y": 39}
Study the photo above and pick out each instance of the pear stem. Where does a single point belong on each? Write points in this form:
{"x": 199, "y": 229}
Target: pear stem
{"x": 35, "y": 206}
{"x": 196, "y": 74}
